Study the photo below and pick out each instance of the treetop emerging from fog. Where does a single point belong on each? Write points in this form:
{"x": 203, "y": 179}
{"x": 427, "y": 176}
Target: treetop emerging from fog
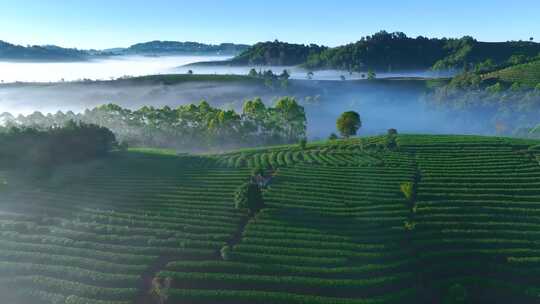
{"x": 189, "y": 127}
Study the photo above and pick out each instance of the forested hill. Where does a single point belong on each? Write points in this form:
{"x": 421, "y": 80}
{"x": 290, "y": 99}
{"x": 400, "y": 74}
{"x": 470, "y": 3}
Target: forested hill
{"x": 385, "y": 51}
{"x": 10, "y": 51}
{"x": 277, "y": 53}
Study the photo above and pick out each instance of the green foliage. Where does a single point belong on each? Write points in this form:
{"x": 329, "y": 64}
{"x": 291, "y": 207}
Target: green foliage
{"x": 495, "y": 89}
{"x": 348, "y": 123}
{"x": 249, "y": 196}
{"x": 385, "y": 51}
{"x": 407, "y": 188}
{"x": 323, "y": 236}
{"x": 189, "y": 126}
{"x": 512, "y": 104}
{"x": 332, "y": 137}
{"x": 276, "y": 53}
{"x": 485, "y": 66}
{"x": 526, "y": 74}
{"x": 515, "y": 87}
{"x": 465, "y": 80}
{"x": 55, "y": 145}
{"x": 409, "y": 225}
{"x": 517, "y": 59}
{"x": 371, "y": 75}
{"x": 391, "y": 139}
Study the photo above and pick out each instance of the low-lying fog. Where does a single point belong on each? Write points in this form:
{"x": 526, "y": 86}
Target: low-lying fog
{"x": 98, "y": 69}
{"x": 300, "y": 73}
{"x": 115, "y": 67}
{"x": 382, "y": 104}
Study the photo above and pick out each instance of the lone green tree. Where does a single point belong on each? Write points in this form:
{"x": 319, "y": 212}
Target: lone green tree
{"x": 249, "y": 196}
{"x": 348, "y": 123}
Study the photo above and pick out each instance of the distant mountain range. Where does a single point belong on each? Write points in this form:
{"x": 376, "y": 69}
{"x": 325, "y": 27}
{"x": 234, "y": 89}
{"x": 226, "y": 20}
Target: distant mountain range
{"x": 380, "y": 52}
{"x": 10, "y": 51}
{"x": 175, "y": 47}
{"x": 14, "y": 52}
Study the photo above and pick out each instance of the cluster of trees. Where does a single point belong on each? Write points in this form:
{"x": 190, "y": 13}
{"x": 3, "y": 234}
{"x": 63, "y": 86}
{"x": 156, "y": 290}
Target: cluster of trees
{"x": 508, "y": 108}
{"x": 381, "y": 51}
{"x": 187, "y": 127}
{"x": 276, "y": 53}
{"x": 54, "y": 145}
{"x": 385, "y": 51}
{"x": 271, "y": 80}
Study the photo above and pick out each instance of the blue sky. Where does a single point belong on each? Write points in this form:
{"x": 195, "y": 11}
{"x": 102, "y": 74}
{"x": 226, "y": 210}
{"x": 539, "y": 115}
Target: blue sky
{"x": 112, "y": 23}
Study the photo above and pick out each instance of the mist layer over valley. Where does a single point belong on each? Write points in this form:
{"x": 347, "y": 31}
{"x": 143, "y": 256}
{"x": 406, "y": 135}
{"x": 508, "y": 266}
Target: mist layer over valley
{"x": 96, "y": 69}
{"x": 383, "y": 103}
{"x": 114, "y": 67}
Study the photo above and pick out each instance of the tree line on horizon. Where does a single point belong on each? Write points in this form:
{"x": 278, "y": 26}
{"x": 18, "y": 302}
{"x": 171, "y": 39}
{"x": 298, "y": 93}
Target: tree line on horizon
{"x": 188, "y": 127}
{"x": 384, "y": 52}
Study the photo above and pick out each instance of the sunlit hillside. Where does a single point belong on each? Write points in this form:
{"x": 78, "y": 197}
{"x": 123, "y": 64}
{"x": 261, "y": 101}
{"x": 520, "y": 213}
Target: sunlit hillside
{"x": 339, "y": 225}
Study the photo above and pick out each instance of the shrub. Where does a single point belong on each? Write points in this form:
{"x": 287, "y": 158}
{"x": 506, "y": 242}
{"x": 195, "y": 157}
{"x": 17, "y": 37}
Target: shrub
{"x": 333, "y": 136}
{"x": 407, "y": 188}
{"x": 409, "y": 225}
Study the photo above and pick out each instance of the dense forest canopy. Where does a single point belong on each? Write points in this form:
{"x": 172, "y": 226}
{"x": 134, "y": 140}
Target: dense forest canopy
{"x": 187, "y": 127}
{"x": 385, "y": 51}
{"x": 277, "y": 53}
{"x": 509, "y": 97}
{"x": 53, "y": 145}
